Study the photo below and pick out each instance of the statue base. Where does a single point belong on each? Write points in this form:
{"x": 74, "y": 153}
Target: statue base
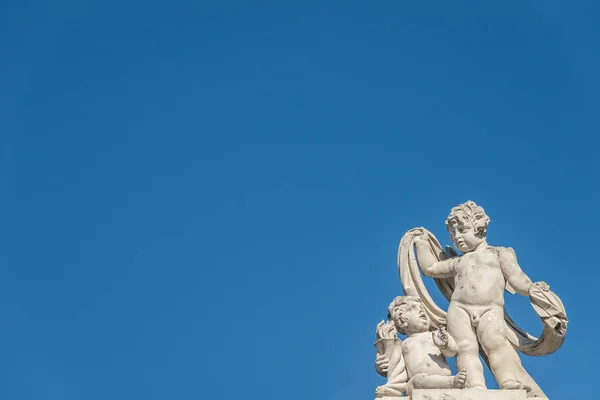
{"x": 463, "y": 394}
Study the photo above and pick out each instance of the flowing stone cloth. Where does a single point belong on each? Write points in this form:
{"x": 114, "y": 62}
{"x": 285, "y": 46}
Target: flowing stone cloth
{"x": 546, "y": 304}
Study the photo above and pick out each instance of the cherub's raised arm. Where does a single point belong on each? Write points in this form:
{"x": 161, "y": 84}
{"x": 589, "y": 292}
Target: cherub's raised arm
{"x": 429, "y": 263}
{"x": 512, "y": 271}
{"x": 445, "y": 342}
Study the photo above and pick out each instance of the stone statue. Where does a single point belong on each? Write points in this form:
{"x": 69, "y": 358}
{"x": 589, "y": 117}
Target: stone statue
{"x": 474, "y": 283}
{"x": 420, "y": 360}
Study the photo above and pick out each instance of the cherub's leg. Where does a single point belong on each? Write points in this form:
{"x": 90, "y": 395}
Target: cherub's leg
{"x": 492, "y": 336}
{"x": 424, "y": 381}
{"x": 390, "y": 390}
{"x": 467, "y": 358}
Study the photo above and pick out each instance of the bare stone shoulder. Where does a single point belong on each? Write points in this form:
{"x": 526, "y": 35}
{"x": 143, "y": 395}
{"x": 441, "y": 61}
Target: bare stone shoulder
{"x": 504, "y": 253}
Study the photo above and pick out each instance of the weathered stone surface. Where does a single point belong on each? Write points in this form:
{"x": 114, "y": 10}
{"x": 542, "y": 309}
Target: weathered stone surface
{"x": 475, "y": 282}
{"x": 419, "y": 361}
{"x": 467, "y": 394}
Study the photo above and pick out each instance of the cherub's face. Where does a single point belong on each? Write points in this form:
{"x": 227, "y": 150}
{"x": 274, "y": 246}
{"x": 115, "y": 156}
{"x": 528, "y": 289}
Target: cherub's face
{"x": 412, "y": 318}
{"x": 464, "y": 237}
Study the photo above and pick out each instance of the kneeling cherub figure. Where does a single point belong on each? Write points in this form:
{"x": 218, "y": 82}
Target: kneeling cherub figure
{"x": 419, "y": 361}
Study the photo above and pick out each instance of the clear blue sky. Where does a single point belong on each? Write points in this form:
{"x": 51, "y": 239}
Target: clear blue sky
{"x": 203, "y": 200}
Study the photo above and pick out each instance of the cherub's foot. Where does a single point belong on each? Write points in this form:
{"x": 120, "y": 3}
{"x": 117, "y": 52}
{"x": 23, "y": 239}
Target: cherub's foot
{"x": 515, "y": 385}
{"x": 460, "y": 379}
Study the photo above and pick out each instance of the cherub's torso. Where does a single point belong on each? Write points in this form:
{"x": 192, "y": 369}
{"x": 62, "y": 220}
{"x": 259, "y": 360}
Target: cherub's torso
{"x": 423, "y": 356}
{"x": 478, "y": 278}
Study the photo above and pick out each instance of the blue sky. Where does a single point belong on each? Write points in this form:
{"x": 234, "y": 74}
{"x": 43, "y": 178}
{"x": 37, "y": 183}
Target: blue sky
{"x": 203, "y": 200}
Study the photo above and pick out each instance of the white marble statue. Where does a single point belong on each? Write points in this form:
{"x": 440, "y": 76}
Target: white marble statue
{"x": 474, "y": 283}
{"x": 476, "y": 312}
{"x": 418, "y": 362}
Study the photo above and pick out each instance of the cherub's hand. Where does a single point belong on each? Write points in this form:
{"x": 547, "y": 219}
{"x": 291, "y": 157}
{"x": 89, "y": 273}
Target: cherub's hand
{"x": 381, "y": 364}
{"x": 423, "y": 237}
{"x": 543, "y": 286}
{"x": 440, "y": 338}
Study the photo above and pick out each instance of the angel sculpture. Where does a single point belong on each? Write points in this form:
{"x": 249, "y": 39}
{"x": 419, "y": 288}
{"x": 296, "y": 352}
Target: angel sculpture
{"x": 474, "y": 283}
{"x": 418, "y": 362}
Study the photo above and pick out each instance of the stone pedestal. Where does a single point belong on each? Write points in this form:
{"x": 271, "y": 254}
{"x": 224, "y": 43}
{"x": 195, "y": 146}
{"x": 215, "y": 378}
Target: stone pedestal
{"x": 465, "y": 394}
{"x": 392, "y": 398}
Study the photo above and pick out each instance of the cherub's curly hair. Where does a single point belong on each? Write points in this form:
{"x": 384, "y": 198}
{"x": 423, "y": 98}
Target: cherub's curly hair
{"x": 466, "y": 213}
{"x": 395, "y": 306}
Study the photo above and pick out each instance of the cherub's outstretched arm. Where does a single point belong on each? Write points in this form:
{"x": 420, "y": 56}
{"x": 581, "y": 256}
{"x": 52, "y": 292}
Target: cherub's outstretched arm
{"x": 452, "y": 348}
{"x": 429, "y": 263}
{"x": 512, "y": 271}
{"x": 445, "y": 342}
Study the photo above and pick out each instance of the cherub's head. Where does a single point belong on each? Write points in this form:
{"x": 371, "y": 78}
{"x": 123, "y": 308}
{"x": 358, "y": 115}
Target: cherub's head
{"x": 467, "y": 225}
{"x": 408, "y": 313}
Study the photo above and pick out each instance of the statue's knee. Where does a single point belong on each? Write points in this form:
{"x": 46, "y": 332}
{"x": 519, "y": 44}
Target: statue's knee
{"x": 494, "y": 342}
{"x": 467, "y": 347}
{"x": 416, "y": 382}
{"x": 418, "y": 378}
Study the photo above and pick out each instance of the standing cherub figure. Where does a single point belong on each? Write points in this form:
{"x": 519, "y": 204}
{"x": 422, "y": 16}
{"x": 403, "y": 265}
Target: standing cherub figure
{"x": 419, "y": 361}
{"x": 476, "y": 312}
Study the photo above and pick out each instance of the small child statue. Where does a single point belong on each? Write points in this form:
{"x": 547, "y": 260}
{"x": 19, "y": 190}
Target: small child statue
{"x": 418, "y": 362}
{"x": 476, "y": 312}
